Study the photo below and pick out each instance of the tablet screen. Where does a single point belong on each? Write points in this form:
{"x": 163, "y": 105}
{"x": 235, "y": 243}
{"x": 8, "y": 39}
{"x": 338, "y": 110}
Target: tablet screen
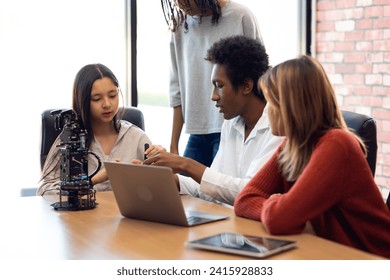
{"x": 254, "y": 246}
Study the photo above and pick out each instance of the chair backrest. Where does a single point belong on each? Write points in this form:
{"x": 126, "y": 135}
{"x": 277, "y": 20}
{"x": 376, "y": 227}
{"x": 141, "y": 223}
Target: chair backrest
{"x": 49, "y": 134}
{"x": 365, "y": 127}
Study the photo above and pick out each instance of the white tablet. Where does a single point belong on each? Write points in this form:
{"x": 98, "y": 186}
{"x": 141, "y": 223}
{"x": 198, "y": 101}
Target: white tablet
{"x": 247, "y": 245}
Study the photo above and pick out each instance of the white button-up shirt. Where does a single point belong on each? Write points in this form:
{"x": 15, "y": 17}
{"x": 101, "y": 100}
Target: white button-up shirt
{"x": 236, "y": 162}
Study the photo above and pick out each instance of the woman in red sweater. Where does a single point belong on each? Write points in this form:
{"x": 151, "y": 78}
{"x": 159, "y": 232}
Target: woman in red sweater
{"x": 319, "y": 175}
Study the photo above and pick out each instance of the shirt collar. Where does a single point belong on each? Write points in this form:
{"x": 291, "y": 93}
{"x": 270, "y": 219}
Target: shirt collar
{"x": 262, "y": 124}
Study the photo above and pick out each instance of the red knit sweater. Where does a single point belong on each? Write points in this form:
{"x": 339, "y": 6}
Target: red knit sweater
{"x": 336, "y": 192}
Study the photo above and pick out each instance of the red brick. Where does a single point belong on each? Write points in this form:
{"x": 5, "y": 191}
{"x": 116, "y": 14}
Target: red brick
{"x": 373, "y": 79}
{"x": 378, "y": 171}
{"x": 363, "y": 68}
{"x": 381, "y": 45}
{"x": 362, "y": 90}
{"x": 386, "y": 147}
{"x": 375, "y": 57}
{"x": 352, "y": 100}
{"x": 386, "y": 79}
{"x": 333, "y": 15}
{"x": 344, "y": 46}
{"x": 380, "y": 113}
{"x": 335, "y": 79}
{"x": 379, "y": 125}
{"x": 320, "y": 37}
{"x": 356, "y": 13}
{"x": 334, "y": 57}
{"x": 386, "y": 178}
{"x": 357, "y": 35}
{"x": 320, "y": 56}
{"x": 386, "y": 127}
{"x": 386, "y": 171}
{"x": 354, "y": 79}
{"x": 345, "y": 4}
{"x": 381, "y": 2}
{"x": 326, "y": 46}
{"x": 326, "y": 5}
{"x": 386, "y": 56}
{"x": 364, "y": 24}
{"x": 381, "y": 68}
{"x": 381, "y": 23}
{"x": 386, "y": 34}
{"x": 381, "y": 181}
{"x": 372, "y": 101}
{"x": 364, "y": 46}
{"x": 386, "y": 12}
{"x": 320, "y": 16}
{"x": 325, "y": 26}
{"x": 342, "y": 90}
{"x": 354, "y": 57}
{"x": 375, "y": 34}
{"x": 329, "y": 68}
{"x": 385, "y": 159}
{"x": 348, "y": 108}
{"x": 363, "y": 3}
{"x": 335, "y": 36}
{"x": 345, "y": 68}
{"x": 381, "y": 90}
{"x": 386, "y": 102}
{"x": 373, "y": 12}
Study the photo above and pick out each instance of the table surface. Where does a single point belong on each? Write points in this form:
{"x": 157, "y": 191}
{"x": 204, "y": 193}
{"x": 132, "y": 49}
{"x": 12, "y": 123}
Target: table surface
{"x": 32, "y": 229}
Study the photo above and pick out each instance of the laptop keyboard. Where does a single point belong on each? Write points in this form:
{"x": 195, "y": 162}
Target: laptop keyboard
{"x": 192, "y": 220}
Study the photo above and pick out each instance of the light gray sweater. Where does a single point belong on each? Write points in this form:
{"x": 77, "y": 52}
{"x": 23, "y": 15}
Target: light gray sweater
{"x": 190, "y": 73}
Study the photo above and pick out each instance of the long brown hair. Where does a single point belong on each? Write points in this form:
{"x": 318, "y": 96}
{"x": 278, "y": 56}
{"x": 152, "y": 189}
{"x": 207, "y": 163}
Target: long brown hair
{"x": 81, "y": 98}
{"x": 301, "y": 93}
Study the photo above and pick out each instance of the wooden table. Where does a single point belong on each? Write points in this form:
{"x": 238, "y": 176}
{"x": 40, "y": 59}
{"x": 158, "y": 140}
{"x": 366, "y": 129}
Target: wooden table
{"x": 32, "y": 229}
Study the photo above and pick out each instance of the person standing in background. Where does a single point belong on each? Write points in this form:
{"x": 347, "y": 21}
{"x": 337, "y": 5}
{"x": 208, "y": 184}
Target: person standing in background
{"x": 195, "y": 26}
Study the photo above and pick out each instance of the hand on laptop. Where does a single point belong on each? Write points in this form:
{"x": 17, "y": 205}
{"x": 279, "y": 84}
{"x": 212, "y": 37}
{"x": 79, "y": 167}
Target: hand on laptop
{"x": 157, "y": 155}
{"x": 100, "y": 177}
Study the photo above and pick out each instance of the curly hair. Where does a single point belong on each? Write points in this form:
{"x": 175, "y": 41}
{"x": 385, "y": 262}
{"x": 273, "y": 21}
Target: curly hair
{"x": 175, "y": 17}
{"x": 242, "y": 57}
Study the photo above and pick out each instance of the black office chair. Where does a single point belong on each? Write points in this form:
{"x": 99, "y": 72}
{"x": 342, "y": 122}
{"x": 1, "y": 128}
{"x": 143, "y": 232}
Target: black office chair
{"x": 365, "y": 127}
{"x": 49, "y": 135}
{"x": 388, "y": 201}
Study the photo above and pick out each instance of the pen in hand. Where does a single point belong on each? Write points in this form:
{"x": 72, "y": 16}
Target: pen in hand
{"x": 146, "y": 147}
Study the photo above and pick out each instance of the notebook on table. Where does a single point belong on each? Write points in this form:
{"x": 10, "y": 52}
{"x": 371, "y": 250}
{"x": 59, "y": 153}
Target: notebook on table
{"x": 147, "y": 192}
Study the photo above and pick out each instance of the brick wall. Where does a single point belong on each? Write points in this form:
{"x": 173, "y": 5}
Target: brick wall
{"x": 352, "y": 42}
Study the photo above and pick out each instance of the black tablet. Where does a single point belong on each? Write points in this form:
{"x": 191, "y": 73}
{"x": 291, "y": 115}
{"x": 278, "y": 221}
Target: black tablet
{"x": 247, "y": 245}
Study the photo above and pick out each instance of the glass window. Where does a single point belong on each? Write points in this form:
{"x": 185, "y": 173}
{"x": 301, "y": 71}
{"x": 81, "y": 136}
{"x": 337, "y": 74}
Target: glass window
{"x": 279, "y": 22}
{"x": 43, "y": 45}
{"x": 152, "y": 72}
